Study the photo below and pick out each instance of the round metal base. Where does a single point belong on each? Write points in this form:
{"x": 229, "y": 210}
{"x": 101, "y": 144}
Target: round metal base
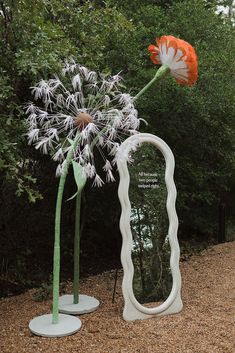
{"x": 86, "y": 304}
{"x": 43, "y": 326}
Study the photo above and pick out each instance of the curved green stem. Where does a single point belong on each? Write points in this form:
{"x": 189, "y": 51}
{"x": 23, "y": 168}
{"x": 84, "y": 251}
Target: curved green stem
{"x": 56, "y": 259}
{"x": 160, "y": 74}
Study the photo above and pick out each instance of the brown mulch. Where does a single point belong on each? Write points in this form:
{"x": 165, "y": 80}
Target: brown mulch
{"x": 206, "y": 324}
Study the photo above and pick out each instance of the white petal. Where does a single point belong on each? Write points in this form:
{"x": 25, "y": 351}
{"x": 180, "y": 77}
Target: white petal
{"x": 68, "y": 122}
{"x": 163, "y": 55}
{"x": 113, "y": 149}
{"x": 84, "y": 135}
{"x": 92, "y": 128}
{"x": 98, "y": 181}
{"x": 81, "y": 99}
{"x": 107, "y": 166}
{"x": 179, "y": 54}
{"x": 59, "y": 170}
{"x": 77, "y": 83}
{"x": 168, "y": 58}
{"x": 59, "y": 155}
{"x": 87, "y": 153}
{"x": 44, "y": 144}
{"x": 85, "y": 72}
{"x": 101, "y": 141}
{"x": 125, "y": 98}
{"x": 92, "y": 76}
{"x": 90, "y": 170}
{"x": 30, "y": 108}
{"x": 109, "y": 176}
{"x": 178, "y": 65}
{"x": 52, "y": 134}
{"x": 33, "y": 135}
{"x": 133, "y": 132}
{"x": 106, "y": 101}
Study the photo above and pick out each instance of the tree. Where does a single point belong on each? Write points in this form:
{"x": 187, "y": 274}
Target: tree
{"x": 197, "y": 123}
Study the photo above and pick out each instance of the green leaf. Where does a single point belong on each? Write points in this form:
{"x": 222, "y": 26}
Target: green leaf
{"x": 72, "y": 197}
{"x": 79, "y": 177}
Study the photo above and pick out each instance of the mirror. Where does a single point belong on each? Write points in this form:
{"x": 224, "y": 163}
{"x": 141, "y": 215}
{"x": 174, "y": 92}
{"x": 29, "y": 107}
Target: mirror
{"x": 150, "y": 250}
{"x": 152, "y": 281}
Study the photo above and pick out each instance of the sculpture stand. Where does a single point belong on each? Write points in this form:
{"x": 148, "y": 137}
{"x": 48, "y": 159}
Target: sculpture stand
{"x": 43, "y": 326}
{"x": 85, "y": 305}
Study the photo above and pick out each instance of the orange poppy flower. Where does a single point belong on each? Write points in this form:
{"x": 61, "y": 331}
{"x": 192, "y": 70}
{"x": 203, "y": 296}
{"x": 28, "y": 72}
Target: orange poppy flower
{"x": 179, "y": 55}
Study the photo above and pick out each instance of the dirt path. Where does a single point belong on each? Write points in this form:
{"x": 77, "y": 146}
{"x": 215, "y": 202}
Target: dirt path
{"x": 206, "y": 324}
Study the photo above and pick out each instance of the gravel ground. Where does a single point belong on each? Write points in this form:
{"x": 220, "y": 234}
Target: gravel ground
{"x": 206, "y": 324}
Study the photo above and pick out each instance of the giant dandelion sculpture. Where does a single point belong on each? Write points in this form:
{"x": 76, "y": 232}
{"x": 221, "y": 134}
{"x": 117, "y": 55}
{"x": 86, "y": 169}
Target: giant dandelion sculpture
{"x": 82, "y": 110}
{"x": 78, "y": 111}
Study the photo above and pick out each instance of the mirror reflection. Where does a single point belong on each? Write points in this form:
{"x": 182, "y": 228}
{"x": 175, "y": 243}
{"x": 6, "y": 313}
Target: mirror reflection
{"x": 152, "y": 280}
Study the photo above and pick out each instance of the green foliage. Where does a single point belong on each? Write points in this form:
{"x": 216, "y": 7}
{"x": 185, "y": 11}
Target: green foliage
{"x": 31, "y": 47}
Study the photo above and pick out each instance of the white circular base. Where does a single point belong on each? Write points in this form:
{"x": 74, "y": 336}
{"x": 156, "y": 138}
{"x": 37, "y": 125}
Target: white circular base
{"x": 86, "y": 304}
{"x": 43, "y": 326}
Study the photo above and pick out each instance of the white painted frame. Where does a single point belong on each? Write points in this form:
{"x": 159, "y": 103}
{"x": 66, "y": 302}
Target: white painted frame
{"x": 133, "y": 310}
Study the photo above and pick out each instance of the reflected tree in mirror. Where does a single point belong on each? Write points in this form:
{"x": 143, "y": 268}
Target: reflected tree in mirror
{"x": 152, "y": 280}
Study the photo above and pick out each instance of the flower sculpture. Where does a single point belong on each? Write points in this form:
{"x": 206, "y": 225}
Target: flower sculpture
{"x": 85, "y": 104}
{"x": 178, "y": 55}
{"x": 80, "y": 110}
{"x": 177, "y": 58}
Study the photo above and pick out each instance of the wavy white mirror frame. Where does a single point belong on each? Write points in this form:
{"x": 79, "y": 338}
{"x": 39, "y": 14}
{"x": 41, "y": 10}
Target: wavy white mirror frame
{"x": 133, "y": 310}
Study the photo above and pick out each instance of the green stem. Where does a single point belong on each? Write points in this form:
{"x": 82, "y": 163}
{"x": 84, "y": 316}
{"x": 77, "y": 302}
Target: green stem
{"x": 160, "y": 74}
{"x": 56, "y": 260}
{"x": 76, "y": 272}
{"x": 76, "y": 260}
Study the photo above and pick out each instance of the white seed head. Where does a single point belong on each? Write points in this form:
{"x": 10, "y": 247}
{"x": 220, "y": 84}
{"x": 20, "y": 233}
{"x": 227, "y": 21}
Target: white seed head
{"x": 81, "y": 101}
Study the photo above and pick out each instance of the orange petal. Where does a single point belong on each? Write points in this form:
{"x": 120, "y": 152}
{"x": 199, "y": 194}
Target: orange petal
{"x": 189, "y": 56}
{"x": 152, "y": 47}
{"x": 154, "y": 54}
